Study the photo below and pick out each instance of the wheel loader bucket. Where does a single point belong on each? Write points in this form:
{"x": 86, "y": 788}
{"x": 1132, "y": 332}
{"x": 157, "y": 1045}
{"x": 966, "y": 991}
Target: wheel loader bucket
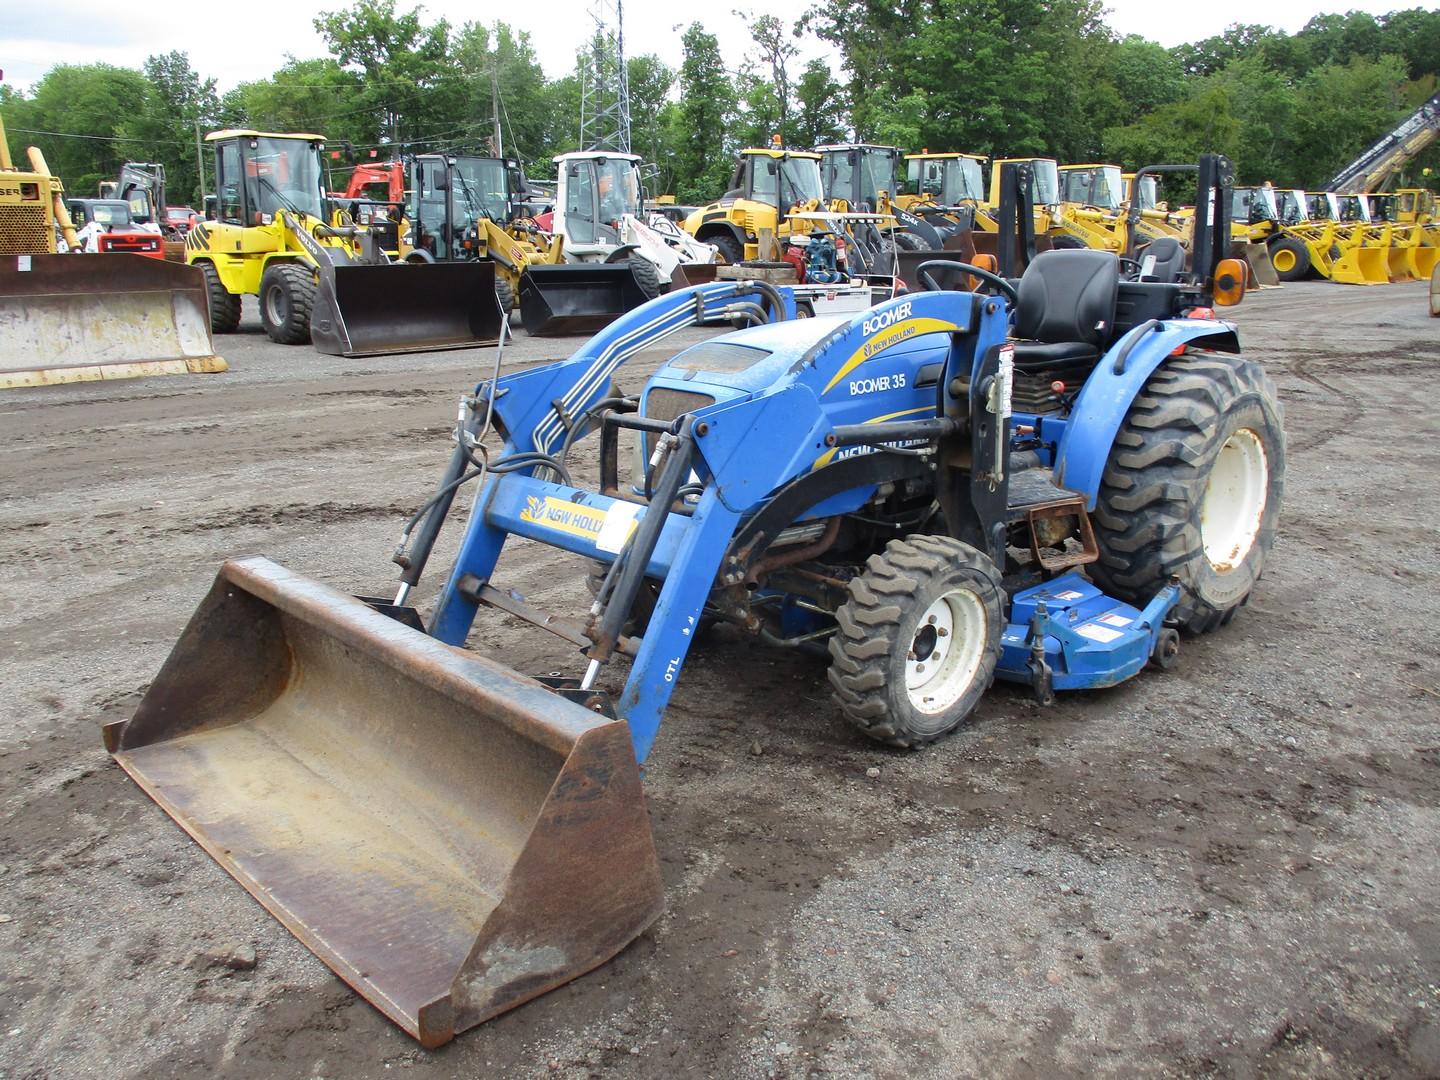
{"x": 1361, "y": 266}
{"x": 1423, "y": 261}
{"x": 75, "y": 318}
{"x": 687, "y": 274}
{"x": 1398, "y": 264}
{"x": 576, "y": 298}
{"x": 371, "y": 310}
{"x": 1262, "y": 270}
{"x": 450, "y": 837}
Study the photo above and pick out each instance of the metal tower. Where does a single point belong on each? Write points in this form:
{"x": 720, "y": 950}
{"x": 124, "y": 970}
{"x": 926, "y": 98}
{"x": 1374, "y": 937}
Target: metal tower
{"x": 604, "y": 84}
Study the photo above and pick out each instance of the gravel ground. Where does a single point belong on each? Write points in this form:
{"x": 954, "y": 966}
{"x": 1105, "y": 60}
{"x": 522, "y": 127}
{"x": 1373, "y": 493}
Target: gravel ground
{"x": 1228, "y": 869}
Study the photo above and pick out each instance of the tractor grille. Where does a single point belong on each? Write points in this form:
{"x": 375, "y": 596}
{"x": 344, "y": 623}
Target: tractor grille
{"x": 665, "y": 404}
{"x": 25, "y": 230}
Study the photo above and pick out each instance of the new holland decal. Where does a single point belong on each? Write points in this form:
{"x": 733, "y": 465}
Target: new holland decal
{"x": 884, "y": 330}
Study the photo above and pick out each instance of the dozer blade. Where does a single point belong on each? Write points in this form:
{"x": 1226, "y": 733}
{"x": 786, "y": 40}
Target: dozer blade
{"x": 75, "y": 318}
{"x": 405, "y": 307}
{"x": 452, "y": 838}
{"x": 576, "y": 298}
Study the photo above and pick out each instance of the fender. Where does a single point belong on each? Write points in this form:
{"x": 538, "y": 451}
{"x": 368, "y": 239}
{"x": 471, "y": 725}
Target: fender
{"x": 920, "y": 227}
{"x": 621, "y": 253}
{"x": 1111, "y": 388}
{"x": 721, "y": 228}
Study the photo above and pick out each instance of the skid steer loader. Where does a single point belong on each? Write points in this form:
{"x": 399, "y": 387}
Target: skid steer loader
{"x": 1044, "y": 484}
{"x": 317, "y": 280}
{"x": 78, "y": 317}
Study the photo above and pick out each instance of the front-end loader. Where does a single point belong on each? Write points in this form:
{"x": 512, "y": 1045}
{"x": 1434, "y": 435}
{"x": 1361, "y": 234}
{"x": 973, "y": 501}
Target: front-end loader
{"x": 79, "y": 317}
{"x": 319, "y": 277}
{"x": 1046, "y": 482}
{"x": 862, "y": 176}
{"x": 615, "y": 255}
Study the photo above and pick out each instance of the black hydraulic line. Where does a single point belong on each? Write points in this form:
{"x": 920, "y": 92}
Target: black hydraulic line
{"x": 899, "y": 431}
{"x": 413, "y": 562}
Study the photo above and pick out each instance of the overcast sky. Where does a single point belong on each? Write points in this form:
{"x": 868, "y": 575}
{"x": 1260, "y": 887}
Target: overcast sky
{"x": 231, "y": 47}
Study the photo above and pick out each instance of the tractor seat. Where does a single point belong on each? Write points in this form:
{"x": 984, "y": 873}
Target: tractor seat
{"x": 1067, "y": 308}
{"x": 1169, "y": 264}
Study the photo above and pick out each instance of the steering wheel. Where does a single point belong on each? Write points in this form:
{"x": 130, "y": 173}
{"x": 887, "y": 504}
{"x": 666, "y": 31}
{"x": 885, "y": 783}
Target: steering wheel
{"x": 1130, "y": 269}
{"x": 927, "y": 278}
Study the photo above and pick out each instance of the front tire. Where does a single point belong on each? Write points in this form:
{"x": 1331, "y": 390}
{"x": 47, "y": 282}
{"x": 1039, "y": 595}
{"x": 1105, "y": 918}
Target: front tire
{"x": 647, "y": 277}
{"x": 224, "y": 305}
{"x": 918, "y": 640}
{"x": 287, "y": 294}
{"x": 1290, "y": 257}
{"x": 504, "y": 293}
{"x": 728, "y": 251}
{"x": 1192, "y": 490}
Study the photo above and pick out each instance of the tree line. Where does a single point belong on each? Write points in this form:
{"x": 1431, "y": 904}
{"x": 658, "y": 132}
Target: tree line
{"x": 996, "y": 77}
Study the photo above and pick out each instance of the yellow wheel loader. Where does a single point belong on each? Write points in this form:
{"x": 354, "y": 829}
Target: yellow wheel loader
{"x": 333, "y": 285}
{"x": 464, "y": 207}
{"x": 79, "y": 317}
{"x": 769, "y": 185}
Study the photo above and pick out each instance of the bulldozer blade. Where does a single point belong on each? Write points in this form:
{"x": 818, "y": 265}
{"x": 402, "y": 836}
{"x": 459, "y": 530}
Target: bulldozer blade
{"x": 687, "y": 274}
{"x": 576, "y": 298}
{"x": 371, "y": 310}
{"x": 449, "y": 836}
{"x": 76, "y": 318}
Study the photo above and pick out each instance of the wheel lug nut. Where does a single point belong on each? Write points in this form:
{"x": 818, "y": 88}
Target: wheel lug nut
{"x": 919, "y": 668}
{"x": 942, "y": 632}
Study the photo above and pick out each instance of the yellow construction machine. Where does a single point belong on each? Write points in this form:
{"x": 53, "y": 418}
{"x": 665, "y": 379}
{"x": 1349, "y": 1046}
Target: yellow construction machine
{"x": 769, "y": 186}
{"x": 78, "y": 317}
{"x": 318, "y": 276}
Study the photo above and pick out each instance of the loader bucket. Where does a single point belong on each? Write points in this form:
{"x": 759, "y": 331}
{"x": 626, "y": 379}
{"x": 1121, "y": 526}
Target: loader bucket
{"x": 452, "y": 838}
{"x": 1361, "y": 266}
{"x": 1398, "y": 264}
{"x": 75, "y": 318}
{"x": 1257, "y": 258}
{"x": 687, "y": 274}
{"x": 370, "y": 310}
{"x": 576, "y": 298}
{"x": 1423, "y": 261}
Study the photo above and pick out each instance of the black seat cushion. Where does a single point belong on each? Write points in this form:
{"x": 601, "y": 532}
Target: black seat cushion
{"x": 1044, "y": 355}
{"x": 1169, "y": 255}
{"x": 1068, "y": 295}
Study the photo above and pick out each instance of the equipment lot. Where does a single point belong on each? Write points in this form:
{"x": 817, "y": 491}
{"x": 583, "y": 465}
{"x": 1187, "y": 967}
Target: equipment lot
{"x": 1224, "y": 869}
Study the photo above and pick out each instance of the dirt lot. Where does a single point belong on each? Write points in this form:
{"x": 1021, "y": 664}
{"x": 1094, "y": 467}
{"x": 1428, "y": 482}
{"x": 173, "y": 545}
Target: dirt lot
{"x": 1229, "y": 869}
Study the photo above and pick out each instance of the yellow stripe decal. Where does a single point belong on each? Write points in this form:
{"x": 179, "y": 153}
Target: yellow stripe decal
{"x": 829, "y": 455}
{"x": 891, "y": 335}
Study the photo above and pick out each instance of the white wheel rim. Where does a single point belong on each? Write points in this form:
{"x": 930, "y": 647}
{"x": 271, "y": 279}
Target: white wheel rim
{"x": 1234, "y": 502}
{"x": 946, "y": 651}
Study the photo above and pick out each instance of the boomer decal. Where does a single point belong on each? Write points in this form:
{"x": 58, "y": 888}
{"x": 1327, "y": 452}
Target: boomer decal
{"x": 884, "y": 330}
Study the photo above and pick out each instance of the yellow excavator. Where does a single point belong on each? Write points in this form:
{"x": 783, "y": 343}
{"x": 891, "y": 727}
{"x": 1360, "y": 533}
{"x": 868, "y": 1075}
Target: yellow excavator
{"x": 77, "y": 317}
{"x": 318, "y": 276}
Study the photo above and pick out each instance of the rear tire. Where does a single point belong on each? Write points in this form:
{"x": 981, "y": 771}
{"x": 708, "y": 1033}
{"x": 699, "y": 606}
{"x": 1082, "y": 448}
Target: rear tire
{"x": 287, "y": 293}
{"x": 1067, "y": 243}
{"x": 505, "y": 294}
{"x": 905, "y": 241}
{"x": 646, "y": 276}
{"x": 224, "y": 305}
{"x": 918, "y": 640}
{"x": 727, "y": 250}
{"x": 1192, "y": 490}
{"x": 1291, "y": 258}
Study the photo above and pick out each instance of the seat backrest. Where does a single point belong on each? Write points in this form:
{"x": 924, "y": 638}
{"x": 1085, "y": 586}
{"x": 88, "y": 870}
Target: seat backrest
{"x": 1169, "y": 256}
{"x": 1068, "y": 295}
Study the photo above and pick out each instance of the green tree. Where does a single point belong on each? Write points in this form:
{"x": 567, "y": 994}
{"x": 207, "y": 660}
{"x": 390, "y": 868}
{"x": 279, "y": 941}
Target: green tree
{"x": 87, "y": 105}
{"x": 820, "y": 106}
{"x": 1340, "y": 110}
{"x": 499, "y": 52}
{"x": 163, "y": 129}
{"x": 650, "y": 83}
{"x": 407, "y": 74}
{"x": 705, "y": 112}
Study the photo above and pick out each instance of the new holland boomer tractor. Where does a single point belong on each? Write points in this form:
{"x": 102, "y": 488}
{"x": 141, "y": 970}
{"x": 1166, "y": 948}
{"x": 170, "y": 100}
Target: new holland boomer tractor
{"x": 910, "y": 487}
{"x": 317, "y": 275}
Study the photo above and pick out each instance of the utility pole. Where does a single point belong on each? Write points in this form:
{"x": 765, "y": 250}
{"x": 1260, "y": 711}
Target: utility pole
{"x": 495, "y": 107}
{"x": 200, "y": 163}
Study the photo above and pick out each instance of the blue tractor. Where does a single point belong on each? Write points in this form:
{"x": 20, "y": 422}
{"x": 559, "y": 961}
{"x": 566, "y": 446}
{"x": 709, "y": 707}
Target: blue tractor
{"x": 1043, "y": 477}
